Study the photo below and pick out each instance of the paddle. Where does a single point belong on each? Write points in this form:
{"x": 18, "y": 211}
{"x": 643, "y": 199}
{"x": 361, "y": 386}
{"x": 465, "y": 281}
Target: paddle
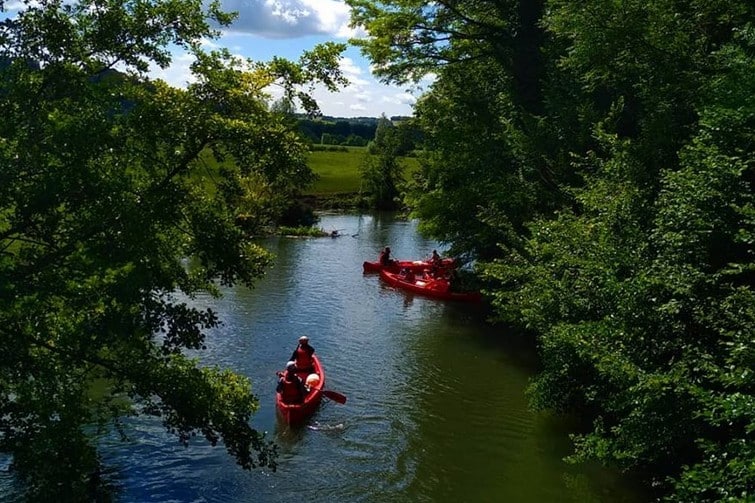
{"x": 335, "y": 396}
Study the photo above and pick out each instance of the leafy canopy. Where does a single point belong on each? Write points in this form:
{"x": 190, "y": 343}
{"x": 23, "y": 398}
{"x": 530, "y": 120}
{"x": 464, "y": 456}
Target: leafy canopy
{"x": 110, "y": 181}
{"x": 596, "y": 157}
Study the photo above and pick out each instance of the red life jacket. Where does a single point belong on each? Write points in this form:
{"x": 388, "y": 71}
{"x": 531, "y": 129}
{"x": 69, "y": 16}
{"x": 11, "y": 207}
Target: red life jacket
{"x": 291, "y": 392}
{"x": 303, "y": 358}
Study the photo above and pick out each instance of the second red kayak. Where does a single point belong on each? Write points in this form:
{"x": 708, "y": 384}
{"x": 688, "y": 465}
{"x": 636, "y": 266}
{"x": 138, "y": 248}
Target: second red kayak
{"x": 438, "y": 288}
{"x": 414, "y": 265}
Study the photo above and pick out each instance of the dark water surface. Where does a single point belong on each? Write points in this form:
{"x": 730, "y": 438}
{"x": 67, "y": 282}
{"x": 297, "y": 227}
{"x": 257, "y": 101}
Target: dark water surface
{"x": 436, "y": 410}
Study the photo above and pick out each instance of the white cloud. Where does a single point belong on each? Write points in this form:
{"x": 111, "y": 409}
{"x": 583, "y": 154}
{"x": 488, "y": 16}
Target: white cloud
{"x": 178, "y": 74}
{"x": 353, "y": 72}
{"x": 372, "y": 99}
{"x": 17, "y": 5}
{"x": 400, "y": 99}
{"x": 290, "y": 18}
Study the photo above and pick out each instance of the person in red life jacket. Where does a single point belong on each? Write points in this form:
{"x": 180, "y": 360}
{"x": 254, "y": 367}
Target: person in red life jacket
{"x": 302, "y": 355}
{"x": 290, "y": 385}
{"x": 385, "y": 257}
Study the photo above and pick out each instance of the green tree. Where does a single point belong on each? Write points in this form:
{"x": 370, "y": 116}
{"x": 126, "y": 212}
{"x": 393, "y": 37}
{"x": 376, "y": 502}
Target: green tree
{"x": 642, "y": 292}
{"x": 611, "y": 206}
{"x": 472, "y": 189}
{"x": 381, "y": 169}
{"x": 355, "y": 141}
{"x": 481, "y": 180}
{"x": 331, "y": 139}
{"x": 105, "y": 191}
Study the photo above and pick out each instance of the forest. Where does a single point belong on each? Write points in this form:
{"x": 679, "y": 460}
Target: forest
{"x": 593, "y": 160}
{"x": 337, "y": 131}
{"x": 596, "y": 159}
{"x": 355, "y": 131}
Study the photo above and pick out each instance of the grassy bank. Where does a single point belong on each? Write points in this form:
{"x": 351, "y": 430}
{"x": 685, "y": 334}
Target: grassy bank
{"x": 338, "y": 171}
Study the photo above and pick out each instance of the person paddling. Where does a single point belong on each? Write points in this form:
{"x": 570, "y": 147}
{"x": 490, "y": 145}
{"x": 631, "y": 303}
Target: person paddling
{"x": 435, "y": 264}
{"x": 302, "y": 355}
{"x": 290, "y": 386}
{"x": 385, "y": 257}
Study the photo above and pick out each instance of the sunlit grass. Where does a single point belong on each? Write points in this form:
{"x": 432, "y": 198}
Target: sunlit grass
{"x": 339, "y": 171}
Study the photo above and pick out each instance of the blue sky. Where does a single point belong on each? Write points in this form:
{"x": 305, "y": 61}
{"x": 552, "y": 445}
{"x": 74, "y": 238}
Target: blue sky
{"x": 286, "y": 28}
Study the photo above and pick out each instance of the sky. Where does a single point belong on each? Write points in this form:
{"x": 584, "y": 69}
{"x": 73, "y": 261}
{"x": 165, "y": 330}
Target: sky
{"x": 286, "y": 28}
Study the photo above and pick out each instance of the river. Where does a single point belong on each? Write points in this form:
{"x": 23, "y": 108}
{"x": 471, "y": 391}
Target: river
{"x": 436, "y": 409}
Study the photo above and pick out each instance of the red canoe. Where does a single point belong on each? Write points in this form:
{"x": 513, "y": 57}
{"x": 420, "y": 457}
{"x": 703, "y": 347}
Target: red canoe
{"x": 438, "y": 288}
{"x": 297, "y": 413}
{"x": 414, "y": 265}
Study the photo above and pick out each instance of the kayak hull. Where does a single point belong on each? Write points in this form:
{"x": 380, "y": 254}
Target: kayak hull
{"x": 436, "y": 288}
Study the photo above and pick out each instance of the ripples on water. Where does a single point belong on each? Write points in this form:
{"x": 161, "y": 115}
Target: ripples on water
{"x": 435, "y": 408}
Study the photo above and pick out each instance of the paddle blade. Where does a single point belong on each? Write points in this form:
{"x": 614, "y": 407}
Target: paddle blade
{"x": 334, "y": 395}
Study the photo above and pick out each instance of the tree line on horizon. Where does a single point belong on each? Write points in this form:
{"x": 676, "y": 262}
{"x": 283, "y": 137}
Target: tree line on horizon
{"x": 355, "y": 132}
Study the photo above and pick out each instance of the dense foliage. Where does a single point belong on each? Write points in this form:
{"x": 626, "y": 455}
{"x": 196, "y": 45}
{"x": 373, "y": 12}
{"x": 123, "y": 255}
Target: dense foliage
{"x": 353, "y": 132}
{"x": 597, "y": 158}
{"x": 105, "y": 192}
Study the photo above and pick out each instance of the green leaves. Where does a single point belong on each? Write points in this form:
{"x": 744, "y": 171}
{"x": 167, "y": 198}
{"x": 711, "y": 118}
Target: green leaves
{"x": 381, "y": 170}
{"x": 409, "y": 38}
{"x": 596, "y": 157}
{"x": 118, "y": 196}
{"x": 216, "y": 403}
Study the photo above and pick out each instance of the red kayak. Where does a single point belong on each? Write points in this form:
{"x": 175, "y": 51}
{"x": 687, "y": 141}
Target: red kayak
{"x": 437, "y": 288}
{"x": 413, "y": 265}
{"x": 297, "y": 413}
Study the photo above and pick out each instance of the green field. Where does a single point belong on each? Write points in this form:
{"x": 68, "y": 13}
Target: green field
{"x": 339, "y": 171}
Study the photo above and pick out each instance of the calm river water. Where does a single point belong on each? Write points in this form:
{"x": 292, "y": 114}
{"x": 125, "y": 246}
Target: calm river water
{"x": 436, "y": 410}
